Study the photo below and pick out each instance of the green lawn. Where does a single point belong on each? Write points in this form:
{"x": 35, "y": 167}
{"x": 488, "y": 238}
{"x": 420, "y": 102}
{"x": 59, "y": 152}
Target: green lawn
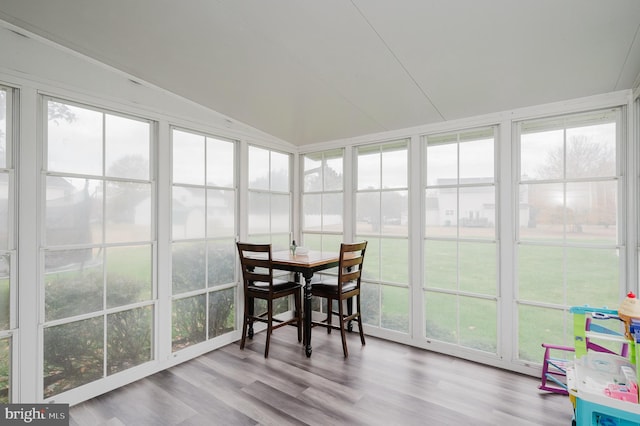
{"x": 556, "y": 276}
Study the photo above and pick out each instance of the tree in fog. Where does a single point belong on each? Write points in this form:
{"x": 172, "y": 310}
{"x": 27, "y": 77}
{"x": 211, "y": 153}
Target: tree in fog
{"x": 584, "y": 158}
{"x": 587, "y": 202}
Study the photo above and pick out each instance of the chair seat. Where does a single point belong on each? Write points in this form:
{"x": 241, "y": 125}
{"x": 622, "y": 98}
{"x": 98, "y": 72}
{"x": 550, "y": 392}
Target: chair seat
{"x": 279, "y": 286}
{"x": 328, "y": 287}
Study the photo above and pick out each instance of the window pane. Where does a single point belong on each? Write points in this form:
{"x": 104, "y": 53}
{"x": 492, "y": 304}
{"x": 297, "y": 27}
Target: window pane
{"x": 371, "y": 267}
{"x": 477, "y": 268}
{"x": 332, "y": 171}
{"x": 476, "y": 161}
{"x": 189, "y": 322}
{"x": 73, "y": 282}
{"x": 395, "y": 213}
{"x": 280, "y": 241}
{"x": 395, "y": 308}
{"x": 220, "y": 163}
{"x": 477, "y": 206}
{"x": 542, "y": 208}
{"x": 368, "y": 169}
{"x": 592, "y": 277}
{"x": 259, "y": 167}
{"x": 279, "y": 172}
{"x": 4, "y": 210}
{"x": 368, "y": 212}
{"x": 441, "y": 317}
{"x": 221, "y": 213}
{"x": 478, "y": 324}
{"x": 441, "y": 211}
{"x": 221, "y": 262}
{"x": 395, "y": 266}
{"x": 442, "y": 164}
{"x": 187, "y": 158}
{"x": 73, "y": 355}
{"x": 128, "y": 211}
{"x": 188, "y": 266}
{"x": 591, "y": 151}
{"x": 441, "y": 264}
{"x": 188, "y": 213}
{"x": 74, "y": 139}
{"x": 5, "y": 291}
{"x": 370, "y": 303}
{"x": 126, "y": 148}
{"x": 592, "y": 212}
{"x": 540, "y": 274}
{"x": 312, "y": 206}
{"x": 259, "y": 211}
{"x": 222, "y": 312}
{"x": 394, "y": 167}
{"x": 280, "y": 210}
{"x": 129, "y": 338}
{"x": 332, "y": 242}
{"x": 3, "y": 133}
{"x": 332, "y": 212}
{"x": 312, "y": 172}
{"x": 5, "y": 370}
{"x": 314, "y": 241}
{"x": 129, "y": 275}
{"x": 538, "y": 325}
{"x": 542, "y": 155}
{"x": 73, "y": 211}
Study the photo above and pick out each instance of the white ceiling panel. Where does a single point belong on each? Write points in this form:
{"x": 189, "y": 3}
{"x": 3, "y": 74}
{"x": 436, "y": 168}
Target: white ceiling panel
{"x": 311, "y": 71}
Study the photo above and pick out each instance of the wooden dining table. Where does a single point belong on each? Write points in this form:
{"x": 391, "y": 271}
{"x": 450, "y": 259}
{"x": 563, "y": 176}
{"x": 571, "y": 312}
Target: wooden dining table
{"x": 305, "y": 264}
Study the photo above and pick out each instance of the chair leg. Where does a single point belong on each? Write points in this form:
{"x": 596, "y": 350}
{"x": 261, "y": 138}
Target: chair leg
{"x": 349, "y": 312}
{"x": 329, "y": 314}
{"x": 343, "y": 332}
{"x": 269, "y": 326}
{"x": 250, "y": 306}
{"x": 245, "y": 321}
{"x": 360, "y": 329}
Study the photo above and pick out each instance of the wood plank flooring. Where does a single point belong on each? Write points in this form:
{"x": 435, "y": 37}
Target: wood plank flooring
{"x": 382, "y": 383}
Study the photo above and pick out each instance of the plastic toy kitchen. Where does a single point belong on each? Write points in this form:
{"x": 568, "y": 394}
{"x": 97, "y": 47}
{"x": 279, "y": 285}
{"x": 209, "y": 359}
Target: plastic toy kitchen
{"x": 602, "y": 381}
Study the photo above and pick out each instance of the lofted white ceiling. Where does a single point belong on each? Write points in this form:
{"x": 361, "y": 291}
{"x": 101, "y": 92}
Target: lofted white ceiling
{"x": 309, "y": 71}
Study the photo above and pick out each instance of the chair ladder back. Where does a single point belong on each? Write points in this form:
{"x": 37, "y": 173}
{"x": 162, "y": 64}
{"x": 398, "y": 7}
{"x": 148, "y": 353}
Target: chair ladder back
{"x": 351, "y": 260}
{"x": 350, "y": 276}
{"x": 250, "y": 264}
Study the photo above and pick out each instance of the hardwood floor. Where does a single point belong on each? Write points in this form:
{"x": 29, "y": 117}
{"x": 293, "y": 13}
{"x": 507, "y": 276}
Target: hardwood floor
{"x": 382, "y": 383}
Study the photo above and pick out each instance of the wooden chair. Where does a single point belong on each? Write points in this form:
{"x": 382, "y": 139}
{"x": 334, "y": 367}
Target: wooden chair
{"x": 345, "y": 288}
{"x": 257, "y": 273}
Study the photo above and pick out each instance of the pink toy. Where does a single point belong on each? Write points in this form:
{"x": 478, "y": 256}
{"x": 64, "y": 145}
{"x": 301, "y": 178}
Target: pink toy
{"x": 623, "y": 392}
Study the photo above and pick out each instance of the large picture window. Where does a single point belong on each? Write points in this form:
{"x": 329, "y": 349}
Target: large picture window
{"x": 98, "y": 245}
{"x": 7, "y": 244}
{"x": 568, "y": 251}
{"x": 322, "y": 200}
{"x": 269, "y": 197}
{"x": 460, "y": 253}
{"x": 203, "y": 237}
{"x": 382, "y": 217}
